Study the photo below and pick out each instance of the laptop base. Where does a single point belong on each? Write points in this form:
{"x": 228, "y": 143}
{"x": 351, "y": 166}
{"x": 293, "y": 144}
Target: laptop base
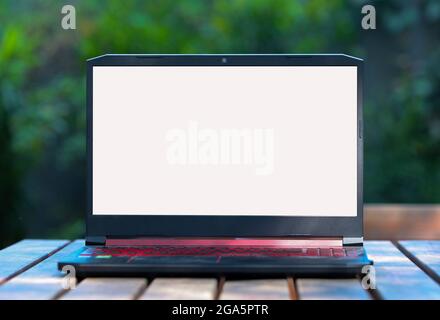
{"x": 212, "y": 265}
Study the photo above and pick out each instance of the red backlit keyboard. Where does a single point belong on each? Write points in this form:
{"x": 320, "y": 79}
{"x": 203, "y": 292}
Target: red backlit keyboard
{"x": 221, "y": 251}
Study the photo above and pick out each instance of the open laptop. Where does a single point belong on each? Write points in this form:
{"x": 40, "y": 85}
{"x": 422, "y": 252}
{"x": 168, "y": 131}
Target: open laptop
{"x": 223, "y": 164}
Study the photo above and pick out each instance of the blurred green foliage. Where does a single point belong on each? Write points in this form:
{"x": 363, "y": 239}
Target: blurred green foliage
{"x": 42, "y": 87}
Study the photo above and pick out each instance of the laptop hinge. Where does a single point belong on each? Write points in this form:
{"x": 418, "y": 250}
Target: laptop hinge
{"x": 96, "y": 241}
{"x": 351, "y": 241}
{"x": 266, "y": 242}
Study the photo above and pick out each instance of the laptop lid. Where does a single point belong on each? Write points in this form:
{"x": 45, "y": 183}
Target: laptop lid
{"x": 224, "y": 146}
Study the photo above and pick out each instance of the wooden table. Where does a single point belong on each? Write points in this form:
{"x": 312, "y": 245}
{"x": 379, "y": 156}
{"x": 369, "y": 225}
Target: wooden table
{"x": 404, "y": 270}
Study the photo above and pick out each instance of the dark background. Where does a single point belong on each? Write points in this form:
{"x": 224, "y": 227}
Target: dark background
{"x": 42, "y": 87}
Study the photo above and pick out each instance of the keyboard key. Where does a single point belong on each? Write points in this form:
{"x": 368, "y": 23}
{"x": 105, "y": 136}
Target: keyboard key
{"x": 326, "y": 252}
{"x": 338, "y": 252}
{"x": 312, "y": 252}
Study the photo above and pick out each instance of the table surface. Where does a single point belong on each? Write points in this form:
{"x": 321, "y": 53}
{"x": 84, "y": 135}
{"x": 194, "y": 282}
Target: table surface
{"x": 403, "y": 269}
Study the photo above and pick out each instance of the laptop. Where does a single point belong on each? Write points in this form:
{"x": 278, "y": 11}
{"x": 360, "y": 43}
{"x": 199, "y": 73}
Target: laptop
{"x": 247, "y": 165}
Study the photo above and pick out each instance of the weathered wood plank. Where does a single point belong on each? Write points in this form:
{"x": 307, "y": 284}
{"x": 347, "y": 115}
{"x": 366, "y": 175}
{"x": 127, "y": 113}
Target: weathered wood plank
{"x": 41, "y": 282}
{"x": 292, "y": 288}
{"x": 397, "y": 221}
{"x": 426, "y": 254}
{"x": 265, "y": 289}
{"x": 396, "y": 276}
{"x": 24, "y": 254}
{"x": 331, "y": 289}
{"x": 107, "y": 289}
{"x": 181, "y": 289}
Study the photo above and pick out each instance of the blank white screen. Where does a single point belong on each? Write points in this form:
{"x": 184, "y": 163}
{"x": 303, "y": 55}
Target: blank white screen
{"x": 303, "y": 120}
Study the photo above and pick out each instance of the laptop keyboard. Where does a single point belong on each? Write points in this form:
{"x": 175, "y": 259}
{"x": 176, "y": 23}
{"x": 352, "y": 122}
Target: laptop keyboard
{"x": 151, "y": 251}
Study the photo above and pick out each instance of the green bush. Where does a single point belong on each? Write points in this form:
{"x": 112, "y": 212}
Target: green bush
{"x": 42, "y": 87}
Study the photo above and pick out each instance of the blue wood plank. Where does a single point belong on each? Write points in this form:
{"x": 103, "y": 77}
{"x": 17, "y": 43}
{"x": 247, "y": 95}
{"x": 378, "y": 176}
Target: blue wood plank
{"x": 397, "y": 277}
{"x": 426, "y": 254}
{"x": 24, "y": 254}
{"x": 262, "y": 289}
{"x": 331, "y": 289}
{"x": 41, "y": 282}
{"x": 181, "y": 289}
{"x": 107, "y": 289}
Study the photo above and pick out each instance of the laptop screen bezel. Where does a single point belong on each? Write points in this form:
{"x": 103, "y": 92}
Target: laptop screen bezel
{"x": 148, "y": 225}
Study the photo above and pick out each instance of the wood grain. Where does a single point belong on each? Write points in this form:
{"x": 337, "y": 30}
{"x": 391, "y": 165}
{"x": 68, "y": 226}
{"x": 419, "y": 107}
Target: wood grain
{"x": 181, "y": 289}
{"x": 426, "y": 254}
{"x": 41, "y": 282}
{"x": 264, "y": 289}
{"x": 25, "y": 254}
{"x": 292, "y": 288}
{"x": 331, "y": 289}
{"x": 401, "y": 222}
{"x": 396, "y": 276}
